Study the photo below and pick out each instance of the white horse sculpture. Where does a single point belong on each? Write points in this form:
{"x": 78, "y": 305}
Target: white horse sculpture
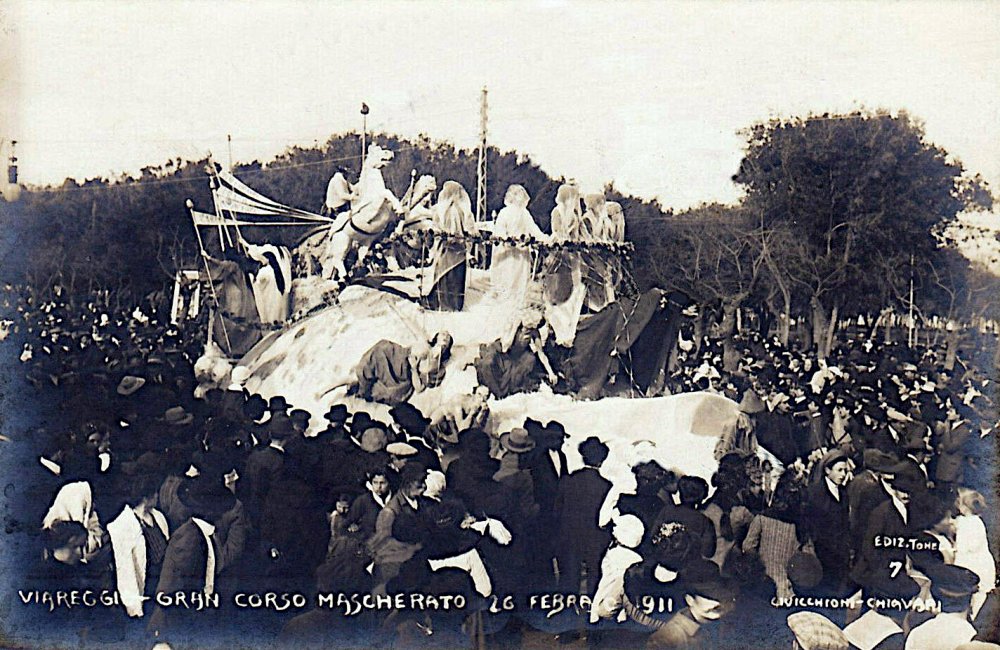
{"x": 373, "y": 206}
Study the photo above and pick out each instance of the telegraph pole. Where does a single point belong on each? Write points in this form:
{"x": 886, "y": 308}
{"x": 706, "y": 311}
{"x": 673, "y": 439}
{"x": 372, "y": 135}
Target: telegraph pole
{"x": 481, "y": 168}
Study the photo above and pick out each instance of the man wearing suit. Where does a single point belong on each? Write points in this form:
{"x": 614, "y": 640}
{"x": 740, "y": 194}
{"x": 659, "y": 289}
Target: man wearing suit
{"x": 262, "y": 466}
{"x": 881, "y": 568}
{"x": 191, "y": 562}
{"x": 951, "y": 445}
{"x": 547, "y": 464}
{"x": 867, "y": 491}
{"x": 826, "y": 518}
{"x": 580, "y": 540}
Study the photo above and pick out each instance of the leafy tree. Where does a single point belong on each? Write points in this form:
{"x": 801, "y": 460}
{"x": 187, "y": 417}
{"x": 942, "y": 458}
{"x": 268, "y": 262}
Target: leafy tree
{"x": 858, "y": 196}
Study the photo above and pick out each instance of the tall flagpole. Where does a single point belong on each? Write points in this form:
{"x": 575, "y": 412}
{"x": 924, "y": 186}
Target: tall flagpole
{"x": 481, "y": 167}
{"x": 189, "y": 204}
{"x": 364, "y": 133}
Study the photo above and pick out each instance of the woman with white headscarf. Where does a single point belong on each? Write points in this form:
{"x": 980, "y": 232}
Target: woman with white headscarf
{"x": 563, "y": 280}
{"x": 452, "y": 217}
{"x": 511, "y": 267}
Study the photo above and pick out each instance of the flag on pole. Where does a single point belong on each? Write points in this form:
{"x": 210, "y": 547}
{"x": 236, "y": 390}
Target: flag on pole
{"x": 234, "y": 196}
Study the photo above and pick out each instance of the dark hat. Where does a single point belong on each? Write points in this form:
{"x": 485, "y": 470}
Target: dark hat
{"x": 206, "y": 496}
{"x": 593, "y": 450}
{"x": 879, "y": 461}
{"x": 534, "y": 428}
{"x": 277, "y": 403}
{"x": 556, "y": 429}
{"x": 410, "y": 419}
{"x": 256, "y": 401}
{"x": 360, "y": 422}
{"x": 337, "y": 413}
{"x": 300, "y": 415}
{"x": 906, "y": 476}
{"x": 950, "y": 581}
{"x": 517, "y": 441}
{"x": 177, "y": 416}
{"x": 703, "y": 578}
{"x": 413, "y": 471}
{"x": 804, "y": 570}
{"x": 832, "y": 457}
{"x": 148, "y": 463}
{"x": 926, "y": 510}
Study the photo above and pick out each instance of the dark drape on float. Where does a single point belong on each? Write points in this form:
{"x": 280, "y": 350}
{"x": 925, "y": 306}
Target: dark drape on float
{"x": 631, "y": 337}
{"x": 236, "y": 327}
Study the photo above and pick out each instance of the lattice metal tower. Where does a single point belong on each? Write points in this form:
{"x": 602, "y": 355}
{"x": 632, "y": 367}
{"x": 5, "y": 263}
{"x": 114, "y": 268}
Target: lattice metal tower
{"x": 481, "y": 169}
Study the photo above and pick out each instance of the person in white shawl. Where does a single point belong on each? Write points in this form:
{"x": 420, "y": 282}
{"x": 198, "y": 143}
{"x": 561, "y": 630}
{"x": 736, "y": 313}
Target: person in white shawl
{"x": 607, "y": 601}
{"x": 511, "y": 267}
{"x": 128, "y": 541}
{"x": 972, "y": 547}
{"x": 75, "y": 502}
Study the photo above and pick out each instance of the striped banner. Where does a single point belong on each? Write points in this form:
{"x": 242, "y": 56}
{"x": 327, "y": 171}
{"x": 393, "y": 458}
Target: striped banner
{"x": 232, "y": 195}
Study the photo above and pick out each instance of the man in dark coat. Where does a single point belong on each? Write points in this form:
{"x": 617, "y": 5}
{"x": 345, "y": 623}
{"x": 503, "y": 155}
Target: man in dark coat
{"x": 866, "y": 491}
{"x": 262, "y": 467}
{"x": 581, "y": 540}
{"x": 951, "y": 446}
{"x": 826, "y": 520}
{"x": 881, "y": 568}
{"x": 191, "y": 562}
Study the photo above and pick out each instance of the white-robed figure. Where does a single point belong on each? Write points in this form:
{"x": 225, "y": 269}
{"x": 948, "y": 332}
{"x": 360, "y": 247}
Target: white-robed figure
{"x": 564, "y": 291}
{"x": 511, "y": 266}
{"x": 596, "y": 227}
{"x": 453, "y": 218}
{"x": 271, "y": 284}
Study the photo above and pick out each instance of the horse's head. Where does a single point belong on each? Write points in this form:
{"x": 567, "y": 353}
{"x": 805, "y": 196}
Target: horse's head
{"x": 423, "y": 188}
{"x": 377, "y": 157}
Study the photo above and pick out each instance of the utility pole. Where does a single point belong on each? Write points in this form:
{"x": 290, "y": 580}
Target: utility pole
{"x": 481, "y": 168}
{"x": 229, "y": 141}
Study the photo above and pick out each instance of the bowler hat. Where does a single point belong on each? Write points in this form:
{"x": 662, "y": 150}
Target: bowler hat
{"x": 879, "y": 461}
{"x": 177, "y": 416}
{"x": 276, "y": 404}
{"x": 907, "y": 477}
{"x": 337, "y": 413}
{"x": 206, "y": 496}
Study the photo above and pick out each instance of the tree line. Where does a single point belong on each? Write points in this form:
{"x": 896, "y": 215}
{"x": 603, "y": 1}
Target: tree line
{"x": 840, "y": 215}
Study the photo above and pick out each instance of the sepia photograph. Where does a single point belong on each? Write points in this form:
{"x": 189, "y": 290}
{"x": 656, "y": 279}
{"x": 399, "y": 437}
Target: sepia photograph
{"x": 494, "y": 325}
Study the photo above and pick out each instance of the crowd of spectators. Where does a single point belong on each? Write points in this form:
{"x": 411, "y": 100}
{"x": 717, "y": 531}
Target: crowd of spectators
{"x": 877, "y": 488}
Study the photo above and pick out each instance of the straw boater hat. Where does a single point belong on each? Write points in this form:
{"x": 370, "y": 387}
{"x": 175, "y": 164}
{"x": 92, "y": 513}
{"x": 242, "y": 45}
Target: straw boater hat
{"x": 401, "y": 449}
{"x": 517, "y": 441}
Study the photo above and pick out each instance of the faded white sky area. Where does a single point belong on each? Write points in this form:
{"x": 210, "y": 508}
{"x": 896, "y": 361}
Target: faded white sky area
{"x": 650, "y": 95}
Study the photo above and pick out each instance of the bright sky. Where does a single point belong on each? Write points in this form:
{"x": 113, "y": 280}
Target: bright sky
{"x": 650, "y": 95}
